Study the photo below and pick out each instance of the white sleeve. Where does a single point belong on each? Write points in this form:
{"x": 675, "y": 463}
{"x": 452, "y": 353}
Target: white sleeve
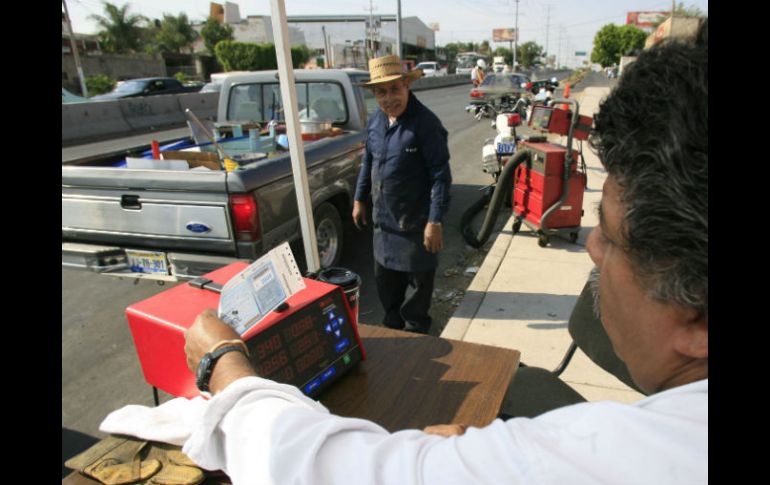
{"x": 261, "y": 432}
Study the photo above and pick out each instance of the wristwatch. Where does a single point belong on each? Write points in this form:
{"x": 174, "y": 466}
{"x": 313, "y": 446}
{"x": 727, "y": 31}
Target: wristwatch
{"x": 207, "y": 363}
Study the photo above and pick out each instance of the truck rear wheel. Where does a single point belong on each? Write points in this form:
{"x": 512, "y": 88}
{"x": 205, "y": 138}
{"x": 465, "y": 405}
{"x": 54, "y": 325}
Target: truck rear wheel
{"x": 328, "y": 229}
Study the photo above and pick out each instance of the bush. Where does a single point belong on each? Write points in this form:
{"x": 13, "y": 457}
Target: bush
{"x": 99, "y": 84}
{"x": 241, "y": 56}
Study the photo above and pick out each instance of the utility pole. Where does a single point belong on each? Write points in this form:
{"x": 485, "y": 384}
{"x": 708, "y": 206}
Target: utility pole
{"x": 516, "y": 37}
{"x": 78, "y": 66}
{"x": 398, "y": 30}
{"x": 547, "y": 25}
{"x": 558, "y": 55}
{"x": 326, "y": 48}
{"x": 371, "y": 30}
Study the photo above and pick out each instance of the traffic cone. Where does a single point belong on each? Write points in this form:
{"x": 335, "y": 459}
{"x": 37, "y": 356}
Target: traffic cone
{"x": 566, "y": 95}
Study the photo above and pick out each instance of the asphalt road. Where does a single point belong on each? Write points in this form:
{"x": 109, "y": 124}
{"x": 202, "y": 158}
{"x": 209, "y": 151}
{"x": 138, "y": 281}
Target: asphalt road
{"x": 100, "y": 370}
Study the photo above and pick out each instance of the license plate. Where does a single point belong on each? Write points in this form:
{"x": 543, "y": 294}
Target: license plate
{"x": 506, "y": 148}
{"x": 147, "y": 262}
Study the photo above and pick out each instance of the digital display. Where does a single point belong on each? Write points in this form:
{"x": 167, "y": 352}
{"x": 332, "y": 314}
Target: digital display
{"x": 304, "y": 347}
{"x": 541, "y": 117}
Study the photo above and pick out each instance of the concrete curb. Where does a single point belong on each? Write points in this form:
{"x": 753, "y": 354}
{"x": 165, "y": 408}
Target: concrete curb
{"x": 458, "y": 325}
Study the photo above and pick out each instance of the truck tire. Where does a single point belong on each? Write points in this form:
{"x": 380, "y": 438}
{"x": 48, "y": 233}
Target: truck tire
{"x": 328, "y": 230}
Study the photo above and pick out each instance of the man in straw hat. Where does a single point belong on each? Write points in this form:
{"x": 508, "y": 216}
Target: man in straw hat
{"x": 405, "y": 170}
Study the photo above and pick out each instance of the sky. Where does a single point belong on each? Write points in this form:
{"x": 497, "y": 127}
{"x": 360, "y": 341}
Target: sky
{"x": 570, "y": 24}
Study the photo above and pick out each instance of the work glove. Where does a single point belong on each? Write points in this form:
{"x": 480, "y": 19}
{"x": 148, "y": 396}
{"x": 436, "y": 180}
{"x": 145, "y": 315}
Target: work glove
{"x": 115, "y": 461}
{"x": 177, "y": 468}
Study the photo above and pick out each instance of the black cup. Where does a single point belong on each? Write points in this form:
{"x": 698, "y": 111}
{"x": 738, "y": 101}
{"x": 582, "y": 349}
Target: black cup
{"x": 348, "y": 280}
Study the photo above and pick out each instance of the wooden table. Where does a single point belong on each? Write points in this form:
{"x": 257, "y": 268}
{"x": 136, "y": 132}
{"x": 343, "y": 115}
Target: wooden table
{"x": 411, "y": 381}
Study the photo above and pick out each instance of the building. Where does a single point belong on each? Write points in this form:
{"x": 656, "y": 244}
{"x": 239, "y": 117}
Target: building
{"x": 343, "y": 40}
{"x": 676, "y": 27}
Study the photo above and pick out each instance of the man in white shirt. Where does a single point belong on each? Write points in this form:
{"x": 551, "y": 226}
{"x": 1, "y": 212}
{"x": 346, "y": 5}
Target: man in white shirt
{"x": 651, "y": 287}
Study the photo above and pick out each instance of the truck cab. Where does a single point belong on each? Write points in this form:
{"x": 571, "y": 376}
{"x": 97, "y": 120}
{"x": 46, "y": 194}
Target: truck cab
{"x": 498, "y": 64}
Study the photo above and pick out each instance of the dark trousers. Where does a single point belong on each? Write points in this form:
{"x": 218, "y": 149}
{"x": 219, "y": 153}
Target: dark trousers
{"x": 402, "y": 312}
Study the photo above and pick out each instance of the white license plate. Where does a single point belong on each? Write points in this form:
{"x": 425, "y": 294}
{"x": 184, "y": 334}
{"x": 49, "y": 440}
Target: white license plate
{"x": 152, "y": 262}
{"x": 507, "y": 148}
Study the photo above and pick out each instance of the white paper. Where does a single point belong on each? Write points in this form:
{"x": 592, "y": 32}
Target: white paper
{"x": 257, "y": 290}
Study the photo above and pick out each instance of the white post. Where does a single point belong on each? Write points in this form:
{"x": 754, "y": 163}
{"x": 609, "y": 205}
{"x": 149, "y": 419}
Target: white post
{"x": 296, "y": 147}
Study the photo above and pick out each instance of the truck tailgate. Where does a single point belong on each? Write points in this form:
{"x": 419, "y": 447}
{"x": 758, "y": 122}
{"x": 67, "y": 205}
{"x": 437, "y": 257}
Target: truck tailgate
{"x": 173, "y": 210}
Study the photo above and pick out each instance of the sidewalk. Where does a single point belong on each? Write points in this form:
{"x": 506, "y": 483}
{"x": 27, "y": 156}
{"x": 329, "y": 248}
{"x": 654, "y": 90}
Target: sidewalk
{"x": 523, "y": 294}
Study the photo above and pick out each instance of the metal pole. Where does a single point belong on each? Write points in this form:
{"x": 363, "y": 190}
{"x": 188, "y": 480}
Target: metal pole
{"x": 398, "y": 30}
{"x": 371, "y": 30}
{"x": 547, "y": 25}
{"x": 296, "y": 147}
{"x": 326, "y": 48}
{"x": 516, "y": 36}
{"x": 78, "y": 66}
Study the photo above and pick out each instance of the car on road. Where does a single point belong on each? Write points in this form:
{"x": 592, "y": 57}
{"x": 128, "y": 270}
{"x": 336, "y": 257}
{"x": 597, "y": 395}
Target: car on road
{"x": 431, "y": 69}
{"x": 148, "y": 86}
{"x": 68, "y": 97}
{"x": 498, "y": 85}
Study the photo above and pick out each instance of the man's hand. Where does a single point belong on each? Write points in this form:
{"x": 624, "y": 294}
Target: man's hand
{"x": 433, "y": 238}
{"x": 359, "y": 214}
{"x": 446, "y": 430}
{"x": 207, "y": 330}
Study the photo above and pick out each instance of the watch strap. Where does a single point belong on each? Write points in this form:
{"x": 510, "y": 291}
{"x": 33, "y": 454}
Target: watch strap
{"x": 209, "y": 361}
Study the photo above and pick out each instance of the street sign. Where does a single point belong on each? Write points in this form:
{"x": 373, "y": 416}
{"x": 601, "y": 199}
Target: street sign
{"x": 580, "y": 53}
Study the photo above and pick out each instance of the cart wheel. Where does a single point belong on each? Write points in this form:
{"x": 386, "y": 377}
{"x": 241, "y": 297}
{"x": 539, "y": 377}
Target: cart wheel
{"x": 573, "y": 237}
{"x": 516, "y": 226}
{"x": 542, "y": 240}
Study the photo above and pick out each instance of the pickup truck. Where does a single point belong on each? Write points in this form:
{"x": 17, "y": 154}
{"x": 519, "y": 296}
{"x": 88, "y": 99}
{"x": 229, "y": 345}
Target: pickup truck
{"x": 148, "y": 86}
{"x": 176, "y": 225}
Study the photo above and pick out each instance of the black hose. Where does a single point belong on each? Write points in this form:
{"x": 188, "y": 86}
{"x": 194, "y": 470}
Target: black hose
{"x": 503, "y": 182}
{"x": 470, "y": 213}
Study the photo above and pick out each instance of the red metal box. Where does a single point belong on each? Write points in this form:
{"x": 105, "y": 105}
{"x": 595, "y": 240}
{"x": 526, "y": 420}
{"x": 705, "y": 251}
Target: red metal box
{"x": 310, "y": 344}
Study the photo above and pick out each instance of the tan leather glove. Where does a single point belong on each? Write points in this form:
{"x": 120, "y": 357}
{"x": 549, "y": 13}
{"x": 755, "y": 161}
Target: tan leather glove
{"x": 115, "y": 460}
{"x": 177, "y": 468}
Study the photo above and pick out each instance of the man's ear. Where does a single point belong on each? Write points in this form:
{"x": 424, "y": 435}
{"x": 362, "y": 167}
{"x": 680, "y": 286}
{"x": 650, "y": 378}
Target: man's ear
{"x": 692, "y": 335}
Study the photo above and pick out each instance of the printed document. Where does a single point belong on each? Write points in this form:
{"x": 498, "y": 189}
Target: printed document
{"x": 257, "y": 290}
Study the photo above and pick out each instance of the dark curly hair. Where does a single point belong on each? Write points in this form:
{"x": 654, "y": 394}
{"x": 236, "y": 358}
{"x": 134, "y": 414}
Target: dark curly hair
{"x": 651, "y": 135}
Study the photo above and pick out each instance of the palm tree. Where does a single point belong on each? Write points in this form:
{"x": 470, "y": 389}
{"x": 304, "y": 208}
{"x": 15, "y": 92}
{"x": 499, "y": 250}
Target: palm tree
{"x": 175, "y": 33}
{"x": 121, "y": 31}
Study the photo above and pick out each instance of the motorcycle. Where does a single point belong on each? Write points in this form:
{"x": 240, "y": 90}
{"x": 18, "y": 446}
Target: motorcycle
{"x": 512, "y": 103}
{"x": 496, "y": 151}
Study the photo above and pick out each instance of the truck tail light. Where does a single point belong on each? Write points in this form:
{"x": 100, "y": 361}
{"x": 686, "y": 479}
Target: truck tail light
{"x": 477, "y": 94}
{"x": 246, "y": 217}
{"x": 514, "y": 119}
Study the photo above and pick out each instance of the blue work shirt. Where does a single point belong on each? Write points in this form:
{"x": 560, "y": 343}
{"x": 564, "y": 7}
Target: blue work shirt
{"x": 405, "y": 169}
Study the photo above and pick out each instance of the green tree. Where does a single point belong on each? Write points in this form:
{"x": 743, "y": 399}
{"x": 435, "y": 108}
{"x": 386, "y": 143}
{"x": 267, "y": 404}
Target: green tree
{"x": 631, "y": 39}
{"x": 504, "y": 52}
{"x": 120, "y": 32}
{"x": 612, "y": 41}
{"x": 242, "y": 56}
{"x": 213, "y": 32}
{"x": 529, "y": 53}
{"x": 175, "y": 33}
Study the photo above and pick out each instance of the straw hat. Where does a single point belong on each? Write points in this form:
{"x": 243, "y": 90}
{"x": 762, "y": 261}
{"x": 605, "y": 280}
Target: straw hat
{"x": 388, "y": 68}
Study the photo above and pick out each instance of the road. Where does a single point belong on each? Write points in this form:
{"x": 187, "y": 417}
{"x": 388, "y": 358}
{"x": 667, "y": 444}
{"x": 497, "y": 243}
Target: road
{"x": 100, "y": 370}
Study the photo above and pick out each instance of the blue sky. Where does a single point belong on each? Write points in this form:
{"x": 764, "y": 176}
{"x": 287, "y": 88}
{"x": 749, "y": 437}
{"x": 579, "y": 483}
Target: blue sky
{"x": 571, "y": 26}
